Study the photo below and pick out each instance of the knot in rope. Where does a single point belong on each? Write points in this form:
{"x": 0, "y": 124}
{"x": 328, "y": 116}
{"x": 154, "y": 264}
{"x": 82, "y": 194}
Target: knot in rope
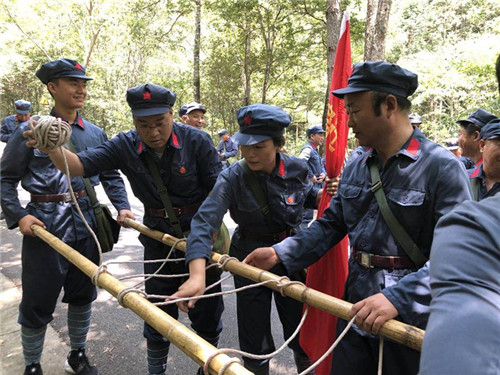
{"x": 101, "y": 269}
{"x": 283, "y": 282}
{"x": 224, "y": 258}
{"x": 49, "y": 132}
{"x": 122, "y": 293}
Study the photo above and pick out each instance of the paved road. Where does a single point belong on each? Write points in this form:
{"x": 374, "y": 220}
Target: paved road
{"x": 115, "y": 344}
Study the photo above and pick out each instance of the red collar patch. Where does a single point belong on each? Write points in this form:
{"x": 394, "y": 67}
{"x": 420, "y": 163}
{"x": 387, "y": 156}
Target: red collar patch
{"x": 413, "y": 147}
{"x": 281, "y": 169}
{"x": 479, "y": 162}
{"x": 80, "y": 123}
{"x": 475, "y": 172}
{"x": 175, "y": 142}
{"x": 146, "y": 95}
{"x": 140, "y": 147}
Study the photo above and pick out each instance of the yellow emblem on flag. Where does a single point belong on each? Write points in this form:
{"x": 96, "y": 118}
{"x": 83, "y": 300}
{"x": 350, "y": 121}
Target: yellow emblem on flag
{"x": 331, "y": 127}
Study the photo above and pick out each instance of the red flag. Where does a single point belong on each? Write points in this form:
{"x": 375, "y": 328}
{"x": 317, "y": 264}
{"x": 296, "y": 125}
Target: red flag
{"x": 329, "y": 274}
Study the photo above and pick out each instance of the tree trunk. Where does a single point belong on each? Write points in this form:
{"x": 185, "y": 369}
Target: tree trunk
{"x": 333, "y": 20}
{"x": 377, "y": 19}
{"x": 246, "y": 62}
{"x": 196, "y": 58}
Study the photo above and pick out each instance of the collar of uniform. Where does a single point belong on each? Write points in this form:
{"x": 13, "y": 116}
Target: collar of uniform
{"x": 411, "y": 148}
{"x": 78, "y": 121}
{"x": 174, "y": 140}
{"x": 312, "y": 145}
{"x": 478, "y": 172}
{"x": 281, "y": 167}
{"x": 479, "y": 162}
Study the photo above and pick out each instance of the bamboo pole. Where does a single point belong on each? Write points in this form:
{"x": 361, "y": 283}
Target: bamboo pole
{"x": 395, "y": 330}
{"x": 190, "y": 343}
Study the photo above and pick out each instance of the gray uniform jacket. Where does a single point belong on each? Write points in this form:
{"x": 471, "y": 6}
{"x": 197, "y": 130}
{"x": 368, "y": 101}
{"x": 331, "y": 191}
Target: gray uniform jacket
{"x": 463, "y": 334}
{"x": 417, "y": 184}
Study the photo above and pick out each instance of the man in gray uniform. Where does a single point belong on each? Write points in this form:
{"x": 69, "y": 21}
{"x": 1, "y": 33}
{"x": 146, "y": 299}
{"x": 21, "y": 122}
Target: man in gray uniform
{"x": 383, "y": 282}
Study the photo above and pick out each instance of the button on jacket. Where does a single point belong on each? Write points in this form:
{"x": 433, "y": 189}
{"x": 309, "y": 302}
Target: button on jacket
{"x": 38, "y": 175}
{"x": 288, "y": 190}
{"x": 422, "y": 182}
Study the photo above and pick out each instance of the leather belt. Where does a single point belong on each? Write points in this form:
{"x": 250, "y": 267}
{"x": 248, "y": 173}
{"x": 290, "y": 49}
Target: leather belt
{"x": 267, "y": 237}
{"x": 389, "y": 262}
{"x": 65, "y": 197}
{"x": 179, "y": 211}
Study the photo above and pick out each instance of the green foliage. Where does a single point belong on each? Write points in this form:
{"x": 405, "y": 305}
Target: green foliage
{"x": 451, "y": 44}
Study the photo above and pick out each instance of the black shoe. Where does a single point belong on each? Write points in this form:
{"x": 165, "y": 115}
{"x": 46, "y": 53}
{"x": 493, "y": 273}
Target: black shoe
{"x": 78, "y": 363}
{"x": 33, "y": 369}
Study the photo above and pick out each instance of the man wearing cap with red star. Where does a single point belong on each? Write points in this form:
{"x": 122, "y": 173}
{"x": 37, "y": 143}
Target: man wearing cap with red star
{"x": 45, "y": 271}
{"x": 187, "y": 164}
{"x": 10, "y": 123}
{"x": 385, "y": 279}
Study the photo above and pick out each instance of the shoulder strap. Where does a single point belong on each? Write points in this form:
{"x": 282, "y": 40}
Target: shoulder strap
{"x": 397, "y": 230}
{"x": 163, "y": 193}
{"x": 476, "y": 186}
{"x": 252, "y": 183}
{"x": 88, "y": 186}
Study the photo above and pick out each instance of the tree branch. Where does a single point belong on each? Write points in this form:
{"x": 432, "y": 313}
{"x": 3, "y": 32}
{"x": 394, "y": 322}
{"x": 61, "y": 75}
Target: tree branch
{"x": 27, "y": 35}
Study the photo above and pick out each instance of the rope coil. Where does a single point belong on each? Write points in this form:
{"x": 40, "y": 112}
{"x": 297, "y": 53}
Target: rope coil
{"x": 49, "y": 132}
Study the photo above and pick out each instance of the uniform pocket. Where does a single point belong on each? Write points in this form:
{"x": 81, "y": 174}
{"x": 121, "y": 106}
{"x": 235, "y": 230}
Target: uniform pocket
{"x": 349, "y": 191}
{"x": 293, "y": 199}
{"x": 407, "y": 198}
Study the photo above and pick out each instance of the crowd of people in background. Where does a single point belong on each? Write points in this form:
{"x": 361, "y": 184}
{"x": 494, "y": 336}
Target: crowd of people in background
{"x": 187, "y": 185}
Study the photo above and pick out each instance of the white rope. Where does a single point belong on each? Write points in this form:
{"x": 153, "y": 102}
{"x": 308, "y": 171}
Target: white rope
{"x": 330, "y": 349}
{"x": 257, "y": 356}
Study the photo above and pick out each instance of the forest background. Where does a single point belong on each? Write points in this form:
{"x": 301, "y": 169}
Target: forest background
{"x": 230, "y": 53}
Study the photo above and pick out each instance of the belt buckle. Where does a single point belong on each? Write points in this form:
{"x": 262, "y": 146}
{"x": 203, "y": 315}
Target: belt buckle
{"x": 67, "y": 197}
{"x": 365, "y": 260}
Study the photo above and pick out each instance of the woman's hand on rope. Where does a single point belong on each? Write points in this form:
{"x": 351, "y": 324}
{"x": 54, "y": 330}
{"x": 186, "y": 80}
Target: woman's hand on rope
{"x": 122, "y": 215}
{"x": 264, "y": 258}
{"x": 26, "y": 222}
{"x": 194, "y": 286}
{"x": 372, "y": 312}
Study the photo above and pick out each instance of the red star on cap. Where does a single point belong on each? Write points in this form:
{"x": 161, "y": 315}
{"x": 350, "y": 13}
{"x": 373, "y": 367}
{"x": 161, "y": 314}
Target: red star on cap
{"x": 146, "y": 95}
{"x": 78, "y": 66}
{"x": 247, "y": 120}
